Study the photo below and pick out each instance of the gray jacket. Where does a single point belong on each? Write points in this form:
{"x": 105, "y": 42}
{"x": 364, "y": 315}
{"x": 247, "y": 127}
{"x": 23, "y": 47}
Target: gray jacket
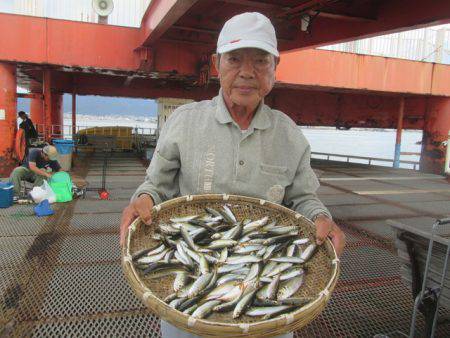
{"x": 201, "y": 150}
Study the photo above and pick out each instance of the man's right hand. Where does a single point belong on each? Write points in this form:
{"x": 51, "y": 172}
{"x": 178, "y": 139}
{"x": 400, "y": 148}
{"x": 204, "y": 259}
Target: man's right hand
{"x": 140, "y": 207}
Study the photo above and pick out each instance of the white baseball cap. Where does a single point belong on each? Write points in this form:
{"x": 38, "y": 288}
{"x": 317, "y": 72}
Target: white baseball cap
{"x": 248, "y": 30}
{"x": 51, "y": 152}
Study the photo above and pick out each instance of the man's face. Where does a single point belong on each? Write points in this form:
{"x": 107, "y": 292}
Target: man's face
{"x": 246, "y": 75}
{"x": 45, "y": 156}
{"x": 22, "y": 117}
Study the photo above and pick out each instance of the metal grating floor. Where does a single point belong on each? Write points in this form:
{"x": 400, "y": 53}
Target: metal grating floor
{"x": 61, "y": 276}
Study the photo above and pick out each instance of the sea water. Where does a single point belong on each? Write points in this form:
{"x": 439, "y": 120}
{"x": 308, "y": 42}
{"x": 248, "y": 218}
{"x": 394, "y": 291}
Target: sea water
{"x": 376, "y": 143}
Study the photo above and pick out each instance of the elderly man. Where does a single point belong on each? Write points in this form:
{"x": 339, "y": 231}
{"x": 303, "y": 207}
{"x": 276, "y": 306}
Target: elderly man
{"x": 38, "y": 165}
{"x": 234, "y": 143}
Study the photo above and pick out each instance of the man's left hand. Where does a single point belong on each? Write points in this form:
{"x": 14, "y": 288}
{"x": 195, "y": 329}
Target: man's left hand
{"x": 327, "y": 228}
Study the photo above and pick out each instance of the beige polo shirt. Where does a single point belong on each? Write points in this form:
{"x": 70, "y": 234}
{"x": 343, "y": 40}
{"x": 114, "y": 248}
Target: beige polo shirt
{"x": 201, "y": 150}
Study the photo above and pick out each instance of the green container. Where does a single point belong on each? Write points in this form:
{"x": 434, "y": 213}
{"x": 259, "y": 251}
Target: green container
{"x": 61, "y": 184}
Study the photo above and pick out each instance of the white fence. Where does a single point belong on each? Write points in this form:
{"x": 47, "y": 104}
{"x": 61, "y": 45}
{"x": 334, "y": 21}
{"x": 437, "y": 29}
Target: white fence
{"x": 431, "y": 44}
{"x": 126, "y": 12}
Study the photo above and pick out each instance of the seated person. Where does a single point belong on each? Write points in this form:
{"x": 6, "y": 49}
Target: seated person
{"x": 38, "y": 165}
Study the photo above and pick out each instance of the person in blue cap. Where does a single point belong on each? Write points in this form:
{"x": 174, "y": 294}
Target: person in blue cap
{"x": 38, "y": 165}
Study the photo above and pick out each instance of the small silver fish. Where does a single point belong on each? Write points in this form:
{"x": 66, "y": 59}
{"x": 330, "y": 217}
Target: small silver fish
{"x": 167, "y": 229}
{"x": 269, "y": 251}
{"x": 282, "y": 230}
{"x": 188, "y": 239}
{"x": 180, "y": 281}
{"x": 229, "y": 277}
{"x": 152, "y": 259}
{"x": 204, "y": 266}
{"x": 205, "y": 309}
{"x": 191, "y": 310}
{"x": 223, "y": 255}
{"x": 176, "y": 302}
{"x": 227, "y": 306}
{"x": 199, "y": 285}
{"x": 242, "y": 259}
{"x": 229, "y": 268}
{"x": 279, "y": 269}
{"x": 244, "y": 302}
{"x": 290, "y": 251}
{"x": 262, "y": 311}
{"x": 248, "y": 248}
{"x": 272, "y": 288}
{"x": 183, "y": 219}
{"x": 255, "y": 225}
{"x": 309, "y": 252}
{"x": 301, "y": 241}
{"x": 222, "y": 243}
{"x": 223, "y": 289}
{"x": 254, "y": 272}
{"x": 234, "y": 232}
{"x": 292, "y": 273}
{"x": 293, "y": 260}
{"x": 289, "y": 287}
{"x": 230, "y": 214}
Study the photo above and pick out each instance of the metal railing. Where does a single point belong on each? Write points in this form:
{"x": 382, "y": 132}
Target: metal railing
{"x": 370, "y": 160}
{"x": 141, "y": 137}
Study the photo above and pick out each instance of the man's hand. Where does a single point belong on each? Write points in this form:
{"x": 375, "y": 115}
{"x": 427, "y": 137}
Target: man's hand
{"x": 327, "y": 228}
{"x": 140, "y": 207}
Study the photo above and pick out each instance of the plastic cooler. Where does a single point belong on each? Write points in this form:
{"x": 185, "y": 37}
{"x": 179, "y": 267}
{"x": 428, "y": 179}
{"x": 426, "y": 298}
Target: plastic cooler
{"x": 6, "y": 194}
{"x": 65, "y": 148}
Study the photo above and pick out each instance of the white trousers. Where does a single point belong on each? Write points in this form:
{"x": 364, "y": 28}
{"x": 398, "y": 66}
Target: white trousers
{"x": 170, "y": 331}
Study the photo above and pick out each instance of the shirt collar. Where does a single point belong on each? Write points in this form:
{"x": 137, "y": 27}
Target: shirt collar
{"x": 261, "y": 119}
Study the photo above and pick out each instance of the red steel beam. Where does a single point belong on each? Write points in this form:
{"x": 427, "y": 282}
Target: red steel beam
{"x": 8, "y": 117}
{"x": 160, "y": 16}
{"x": 47, "y": 84}
{"x": 391, "y": 16}
{"x": 29, "y": 96}
{"x": 311, "y": 4}
{"x": 69, "y": 43}
{"x": 255, "y": 4}
{"x": 331, "y": 69}
{"x": 321, "y": 108}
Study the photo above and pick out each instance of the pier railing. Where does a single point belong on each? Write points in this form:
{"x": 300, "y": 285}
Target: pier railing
{"x": 140, "y": 137}
{"x": 368, "y": 160}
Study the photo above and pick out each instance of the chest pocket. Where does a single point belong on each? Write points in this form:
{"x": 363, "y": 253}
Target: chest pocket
{"x": 273, "y": 170}
{"x": 274, "y": 180}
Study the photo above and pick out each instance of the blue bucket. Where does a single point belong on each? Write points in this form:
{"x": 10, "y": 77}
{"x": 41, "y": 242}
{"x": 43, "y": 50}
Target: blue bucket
{"x": 64, "y": 147}
{"x": 6, "y": 194}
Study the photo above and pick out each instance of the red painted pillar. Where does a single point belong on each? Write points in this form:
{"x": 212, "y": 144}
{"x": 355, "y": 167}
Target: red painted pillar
{"x": 8, "y": 119}
{"x": 37, "y": 114}
{"x": 74, "y": 115}
{"x": 47, "y": 91}
{"x": 57, "y": 115}
{"x": 436, "y": 127}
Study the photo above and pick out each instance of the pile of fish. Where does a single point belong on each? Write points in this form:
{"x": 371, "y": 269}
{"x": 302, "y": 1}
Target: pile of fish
{"x": 250, "y": 267}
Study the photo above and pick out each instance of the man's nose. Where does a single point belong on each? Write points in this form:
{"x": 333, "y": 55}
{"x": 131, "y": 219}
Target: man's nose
{"x": 247, "y": 70}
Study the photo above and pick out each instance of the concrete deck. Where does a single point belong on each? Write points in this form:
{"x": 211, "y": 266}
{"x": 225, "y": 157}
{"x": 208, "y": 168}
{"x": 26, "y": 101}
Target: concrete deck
{"x": 61, "y": 275}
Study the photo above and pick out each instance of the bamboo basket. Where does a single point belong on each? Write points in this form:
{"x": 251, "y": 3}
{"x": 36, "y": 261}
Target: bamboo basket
{"x": 319, "y": 281}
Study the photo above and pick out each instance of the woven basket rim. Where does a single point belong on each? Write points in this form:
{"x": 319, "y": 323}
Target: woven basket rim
{"x": 146, "y": 295}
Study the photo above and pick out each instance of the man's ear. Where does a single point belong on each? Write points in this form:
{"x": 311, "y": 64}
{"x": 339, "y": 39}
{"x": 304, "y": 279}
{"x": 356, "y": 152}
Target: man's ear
{"x": 277, "y": 61}
{"x": 216, "y": 60}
